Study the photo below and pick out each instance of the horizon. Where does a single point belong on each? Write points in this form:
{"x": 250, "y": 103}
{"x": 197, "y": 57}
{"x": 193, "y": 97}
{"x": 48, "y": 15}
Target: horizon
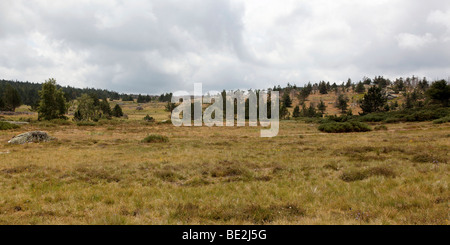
{"x": 236, "y": 89}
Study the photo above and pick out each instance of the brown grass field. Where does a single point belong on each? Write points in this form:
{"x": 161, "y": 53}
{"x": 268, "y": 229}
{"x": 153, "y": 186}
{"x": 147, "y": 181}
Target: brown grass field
{"x": 105, "y": 174}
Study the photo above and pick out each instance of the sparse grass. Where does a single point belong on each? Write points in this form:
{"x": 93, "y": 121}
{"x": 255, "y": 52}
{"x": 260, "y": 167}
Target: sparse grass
{"x": 86, "y": 123}
{"x": 104, "y": 174}
{"x": 380, "y": 127}
{"x": 355, "y": 175}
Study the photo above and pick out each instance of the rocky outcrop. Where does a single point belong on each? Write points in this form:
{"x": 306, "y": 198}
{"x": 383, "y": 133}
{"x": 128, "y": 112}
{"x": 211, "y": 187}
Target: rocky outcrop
{"x": 30, "y": 137}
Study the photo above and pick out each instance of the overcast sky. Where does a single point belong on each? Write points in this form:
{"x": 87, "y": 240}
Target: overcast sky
{"x": 158, "y": 46}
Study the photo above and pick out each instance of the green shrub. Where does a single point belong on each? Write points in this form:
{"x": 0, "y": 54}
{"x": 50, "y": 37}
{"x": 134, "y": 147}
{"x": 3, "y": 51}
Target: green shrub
{"x": 148, "y": 118}
{"x": 392, "y": 120}
{"x": 7, "y": 125}
{"x": 410, "y": 115}
{"x": 155, "y": 138}
{"x": 344, "y": 127}
{"x": 442, "y": 120}
{"x": 374, "y": 117}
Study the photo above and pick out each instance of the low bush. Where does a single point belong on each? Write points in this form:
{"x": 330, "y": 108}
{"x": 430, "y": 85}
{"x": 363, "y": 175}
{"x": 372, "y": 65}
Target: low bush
{"x": 442, "y": 120}
{"x": 155, "y": 138}
{"x": 149, "y": 118}
{"x": 7, "y": 125}
{"x": 408, "y": 115}
{"x": 344, "y": 127}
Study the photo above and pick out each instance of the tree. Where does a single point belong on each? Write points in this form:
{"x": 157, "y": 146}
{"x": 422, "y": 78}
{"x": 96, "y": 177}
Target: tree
{"x": 304, "y": 93}
{"x": 11, "y": 98}
{"x": 117, "y": 111}
{"x": 310, "y": 111}
{"x": 296, "y": 112}
{"x": 373, "y": 101}
{"x": 86, "y": 109}
{"x": 323, "y": 88}
{"x": 367, "y": 81}
{"x": 321, "y": 107}
{"x": 143, "y": 99}
{"x": 349, "y": 112}
{"x": 105, "y": 108}
{"x": 439, "y": 92}
{"x": 341, "y": 103}
{"x": 360, "y": 88}
{"x": 140, "y": 99}
{"x": 348, "y": 84}
{"x": 381, "y": 81}
{"x": 52, "y": 104}
{"x": 284, "y": 113}
{"x": 2, "y": 104}
{"x": 423, "y": 85}
{"x": 287, "y": 100}
{"x": 170, "y": 106}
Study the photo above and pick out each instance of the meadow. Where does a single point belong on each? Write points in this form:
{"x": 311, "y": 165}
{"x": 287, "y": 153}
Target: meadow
{"x": 105, "y": 173}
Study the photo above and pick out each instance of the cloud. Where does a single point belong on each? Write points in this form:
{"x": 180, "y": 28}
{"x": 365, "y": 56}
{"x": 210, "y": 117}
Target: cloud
{"x": 165, "y": 45}
{"x": 411, "y": 41}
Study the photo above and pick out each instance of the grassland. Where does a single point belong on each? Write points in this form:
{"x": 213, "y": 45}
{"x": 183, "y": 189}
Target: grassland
{"x": 107, "y": 174}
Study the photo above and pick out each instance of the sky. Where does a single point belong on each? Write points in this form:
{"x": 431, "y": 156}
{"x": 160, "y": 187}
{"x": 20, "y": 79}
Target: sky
{"x": 151, "y": 47}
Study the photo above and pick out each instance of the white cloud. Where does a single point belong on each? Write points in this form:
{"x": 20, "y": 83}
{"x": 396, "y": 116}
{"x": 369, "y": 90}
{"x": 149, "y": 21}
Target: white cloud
{"x": 411, "y": 41}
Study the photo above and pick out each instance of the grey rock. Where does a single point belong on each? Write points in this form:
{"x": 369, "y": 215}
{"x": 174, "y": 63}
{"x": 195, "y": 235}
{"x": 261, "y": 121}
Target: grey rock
{"x": 34, "y": 136}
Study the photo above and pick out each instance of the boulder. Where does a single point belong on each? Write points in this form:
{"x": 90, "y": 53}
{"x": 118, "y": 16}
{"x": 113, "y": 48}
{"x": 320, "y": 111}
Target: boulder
{"x": 34, "y": 136}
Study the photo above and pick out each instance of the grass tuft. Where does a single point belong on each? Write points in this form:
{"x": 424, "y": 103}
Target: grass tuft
{"x": 155, "y": 138}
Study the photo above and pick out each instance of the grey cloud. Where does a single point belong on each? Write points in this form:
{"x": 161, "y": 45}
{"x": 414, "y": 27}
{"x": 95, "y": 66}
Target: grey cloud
{"x": 158, "y": 46}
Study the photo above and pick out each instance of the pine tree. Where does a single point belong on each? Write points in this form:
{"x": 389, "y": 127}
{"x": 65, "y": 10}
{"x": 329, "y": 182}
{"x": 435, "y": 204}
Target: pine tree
{"x": 323, "y": 88}
{"x": 11, "y": 98}
{"x": 373, "y": 101}
{"x": 105, "y": 108}
{"x": 52, "y": 104}
{"x": 296, "y": 112}
{"x": 341, "y": 103}
{"x": 439, "y": 92}
{"x": 321, "y": 107}
{"x": 360, "y": 88}
{"x": 287, "y": 100}
{"x": 2, "y": 104}
{"x": 349, "y": 83}
{"x": 284, "y": 113}
{"x": 117, "y": 111}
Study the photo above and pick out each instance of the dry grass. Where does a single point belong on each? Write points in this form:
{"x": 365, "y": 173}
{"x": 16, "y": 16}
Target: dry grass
{"x": 104, "y": 174}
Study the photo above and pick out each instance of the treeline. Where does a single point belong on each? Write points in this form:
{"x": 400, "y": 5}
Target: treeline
{"x": 322, "y": 87}
{"x": 53, "y": 105}
{"x": 27, "y": 93}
